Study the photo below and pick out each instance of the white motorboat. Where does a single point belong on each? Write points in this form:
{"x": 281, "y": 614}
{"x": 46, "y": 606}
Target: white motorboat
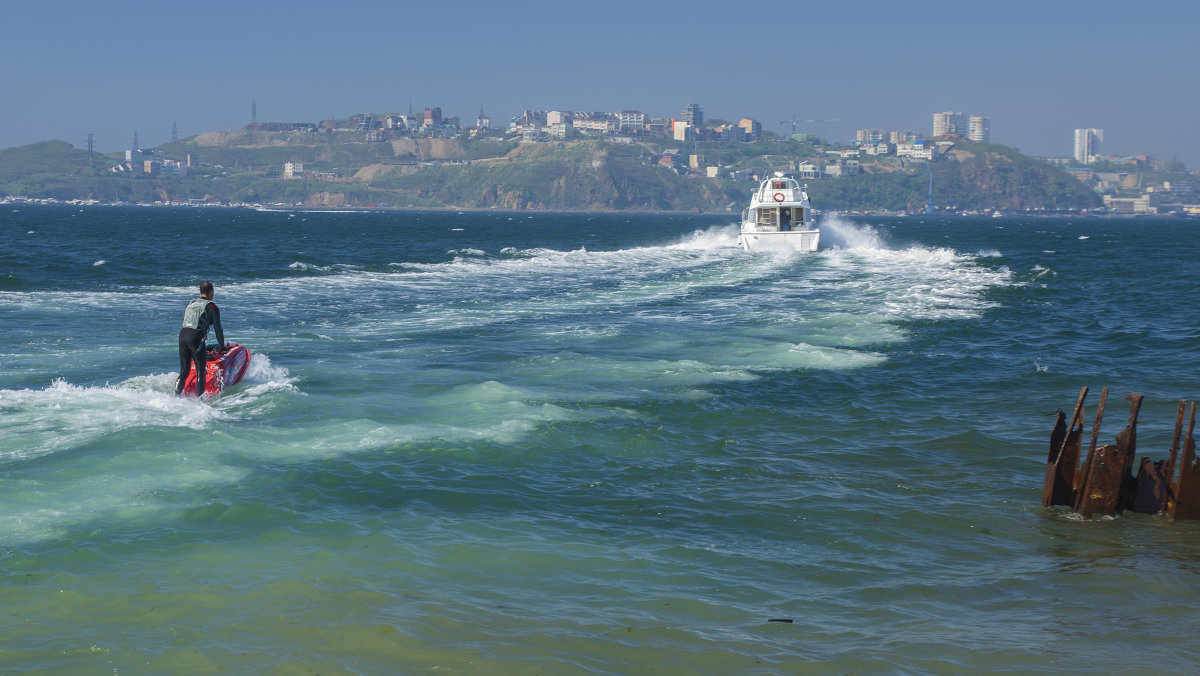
{"x": 779, "y": 217}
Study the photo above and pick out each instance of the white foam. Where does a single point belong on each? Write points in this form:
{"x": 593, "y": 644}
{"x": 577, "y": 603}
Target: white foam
{"x": 857, "y": 273}
{"x": 1039, "y": 271}
{"x": 919, "y": 281}
{"x": 715, "y": 237}
{"x": 39, "y": 422}
{"x": 309, "y": 267}
{"x": 837, "y": 232}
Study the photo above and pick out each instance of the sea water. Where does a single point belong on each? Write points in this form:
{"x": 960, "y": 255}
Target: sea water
{"x": 514, "y": 443}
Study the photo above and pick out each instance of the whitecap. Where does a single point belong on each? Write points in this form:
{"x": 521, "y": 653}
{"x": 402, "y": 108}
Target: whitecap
{"x": 714, "y": 237}
{"x": 475, "y": 253}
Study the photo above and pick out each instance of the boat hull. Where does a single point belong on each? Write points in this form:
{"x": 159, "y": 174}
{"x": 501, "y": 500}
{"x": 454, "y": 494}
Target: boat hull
{"x": 792, "y": 240}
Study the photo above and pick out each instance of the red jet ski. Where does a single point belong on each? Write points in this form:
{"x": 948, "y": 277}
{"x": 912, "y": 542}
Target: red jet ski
{"x": 224, "y": 370}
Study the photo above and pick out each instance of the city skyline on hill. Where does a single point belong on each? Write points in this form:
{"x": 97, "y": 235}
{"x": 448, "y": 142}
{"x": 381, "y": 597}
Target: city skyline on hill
{"x": 1038, "y": 71}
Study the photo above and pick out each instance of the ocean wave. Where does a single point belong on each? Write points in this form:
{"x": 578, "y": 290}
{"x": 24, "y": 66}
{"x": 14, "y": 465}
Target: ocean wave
{"x": 39, "y": 422}
{"x": 324, "y": 269}
{"x": 468, "y": 253}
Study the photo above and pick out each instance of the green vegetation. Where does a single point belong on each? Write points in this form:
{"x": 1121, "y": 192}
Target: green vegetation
{"x": 987, "y": 175}
{"x": 41, "y": 167}
{"x": 584, "y": 174}
{"x": 889, "y": 192}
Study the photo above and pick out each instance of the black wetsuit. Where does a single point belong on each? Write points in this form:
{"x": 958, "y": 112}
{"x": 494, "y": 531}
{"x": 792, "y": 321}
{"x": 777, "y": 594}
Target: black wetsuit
{"x": 199, "y": 315}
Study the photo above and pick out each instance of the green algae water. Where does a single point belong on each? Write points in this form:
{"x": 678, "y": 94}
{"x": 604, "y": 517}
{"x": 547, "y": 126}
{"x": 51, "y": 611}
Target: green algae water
{"x": 485, "y": 443}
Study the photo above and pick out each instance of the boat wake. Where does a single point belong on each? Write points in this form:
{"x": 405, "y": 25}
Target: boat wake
{"x": 715, "y": 237}
{"x": 839, "y": 233}
{"x": 39, "y": 422}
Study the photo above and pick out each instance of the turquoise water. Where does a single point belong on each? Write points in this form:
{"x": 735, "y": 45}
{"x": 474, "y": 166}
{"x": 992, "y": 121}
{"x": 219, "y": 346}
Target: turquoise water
{"x": 481, "y": 443}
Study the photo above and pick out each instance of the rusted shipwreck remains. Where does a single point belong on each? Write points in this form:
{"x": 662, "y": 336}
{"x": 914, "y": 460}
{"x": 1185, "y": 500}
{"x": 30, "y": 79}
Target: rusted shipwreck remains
{"x": 1105, "y": 483}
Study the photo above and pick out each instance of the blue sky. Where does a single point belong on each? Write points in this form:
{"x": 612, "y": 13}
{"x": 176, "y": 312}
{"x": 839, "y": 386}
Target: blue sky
{"x": 1038, "y": 69}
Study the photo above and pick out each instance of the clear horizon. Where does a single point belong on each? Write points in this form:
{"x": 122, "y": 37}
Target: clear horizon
{"x": 1038, "y": 70}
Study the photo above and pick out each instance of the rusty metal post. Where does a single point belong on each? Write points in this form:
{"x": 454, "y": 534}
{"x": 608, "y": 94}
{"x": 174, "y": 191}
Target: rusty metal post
{"x": 1102, "y": 484}
{"x": 1126, "y": 451}
{"x": 1187, "y": 487}
{"x": 1169, "y": 499}
{"x": 1081, "y": 479}
{"x": 1062, "y": 463}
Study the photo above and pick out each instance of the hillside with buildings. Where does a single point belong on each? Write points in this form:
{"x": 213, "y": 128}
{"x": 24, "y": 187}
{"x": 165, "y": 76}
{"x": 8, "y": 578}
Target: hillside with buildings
{"x": 550, "y": 160}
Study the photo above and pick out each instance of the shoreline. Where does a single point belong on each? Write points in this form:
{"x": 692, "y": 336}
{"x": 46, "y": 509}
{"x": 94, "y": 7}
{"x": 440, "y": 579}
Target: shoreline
{"x": 39, "y": 201}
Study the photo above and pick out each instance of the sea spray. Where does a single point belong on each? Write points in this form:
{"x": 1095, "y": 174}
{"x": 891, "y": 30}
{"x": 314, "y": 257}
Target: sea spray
{"x": 840, "y": 232}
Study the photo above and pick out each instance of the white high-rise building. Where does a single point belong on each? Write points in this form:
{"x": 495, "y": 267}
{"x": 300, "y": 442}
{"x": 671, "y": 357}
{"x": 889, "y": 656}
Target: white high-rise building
{"x": 1087, "y": 144}
{"x": 949, "y": 123}
{"x": 979, "y": 129}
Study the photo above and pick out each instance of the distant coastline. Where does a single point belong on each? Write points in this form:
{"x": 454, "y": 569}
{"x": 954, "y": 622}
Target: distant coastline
{"x": 302, "y": 208}
{"x": 344, "y": 171}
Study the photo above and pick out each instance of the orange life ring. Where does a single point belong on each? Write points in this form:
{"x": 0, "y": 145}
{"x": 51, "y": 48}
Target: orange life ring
{"x": 779, "y": 197}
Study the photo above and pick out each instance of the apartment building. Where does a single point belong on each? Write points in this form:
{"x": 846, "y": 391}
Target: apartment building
{"x": 949, "y": 123}
{"x": 631, "y": 122}
{"x": 979, "y": 129}
{"x": 1087, "y": 144}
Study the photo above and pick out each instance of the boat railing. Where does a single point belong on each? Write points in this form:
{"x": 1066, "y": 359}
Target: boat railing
{"x": 789, "y": 196}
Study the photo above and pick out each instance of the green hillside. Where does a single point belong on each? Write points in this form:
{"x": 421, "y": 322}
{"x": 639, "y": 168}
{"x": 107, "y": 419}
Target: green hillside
{"x": 579, "y": 175}
{"x": 975, "y": 176}
{"x": 36, "y": 168}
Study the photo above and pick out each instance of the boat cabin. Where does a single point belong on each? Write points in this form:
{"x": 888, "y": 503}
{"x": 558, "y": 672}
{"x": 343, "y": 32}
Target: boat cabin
{"x": 781, "y": 205}
{"x": 782, "y": 219}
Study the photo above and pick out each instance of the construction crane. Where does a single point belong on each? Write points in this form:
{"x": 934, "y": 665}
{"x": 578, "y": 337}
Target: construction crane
{"x": 794, "y": 122}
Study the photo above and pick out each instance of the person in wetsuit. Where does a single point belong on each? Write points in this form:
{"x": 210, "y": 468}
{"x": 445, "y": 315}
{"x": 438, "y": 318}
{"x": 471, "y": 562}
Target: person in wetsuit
{"x": 200, "y": 314}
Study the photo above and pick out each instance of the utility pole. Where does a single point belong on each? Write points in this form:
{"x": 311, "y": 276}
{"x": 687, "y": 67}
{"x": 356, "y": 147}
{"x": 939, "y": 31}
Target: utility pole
{"x": 929, "y": 208}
